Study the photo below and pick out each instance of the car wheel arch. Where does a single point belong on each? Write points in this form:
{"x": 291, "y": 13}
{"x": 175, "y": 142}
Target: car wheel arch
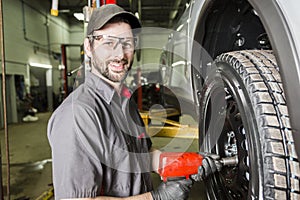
{"x": 282, "y": 44}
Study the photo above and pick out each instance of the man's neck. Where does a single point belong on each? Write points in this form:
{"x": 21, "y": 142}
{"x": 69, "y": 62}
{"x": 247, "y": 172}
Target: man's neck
{"x": 116, "y": 85}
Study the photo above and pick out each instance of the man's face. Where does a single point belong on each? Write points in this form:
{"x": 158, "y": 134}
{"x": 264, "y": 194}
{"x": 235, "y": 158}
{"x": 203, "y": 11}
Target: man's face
{"x": 110, "y": 52}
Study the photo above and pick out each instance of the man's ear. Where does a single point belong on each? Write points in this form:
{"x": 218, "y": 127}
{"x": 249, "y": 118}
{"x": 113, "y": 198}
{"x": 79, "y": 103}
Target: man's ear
{"x": 87, "y": 47}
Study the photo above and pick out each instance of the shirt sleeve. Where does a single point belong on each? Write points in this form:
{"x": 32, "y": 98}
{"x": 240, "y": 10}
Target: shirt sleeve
{"x": 77, "y": 172}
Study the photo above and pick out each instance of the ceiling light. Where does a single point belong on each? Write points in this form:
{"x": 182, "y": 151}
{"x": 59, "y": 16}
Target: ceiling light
{"x": 79, "y": 16}
{"x": 47, "y": 66}
{"x": 180, "y": 27}
{"x": 181, "y": 62}
{"x": 61, "y": 67}
{"x": 65, "y": 11}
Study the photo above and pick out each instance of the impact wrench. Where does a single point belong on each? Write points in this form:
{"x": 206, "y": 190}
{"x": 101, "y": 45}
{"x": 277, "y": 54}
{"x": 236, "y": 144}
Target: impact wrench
{"x": 178, "y": 165}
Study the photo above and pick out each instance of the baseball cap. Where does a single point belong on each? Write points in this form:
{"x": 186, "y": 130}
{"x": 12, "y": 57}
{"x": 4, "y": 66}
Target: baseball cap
{"x": 103, "y": 14}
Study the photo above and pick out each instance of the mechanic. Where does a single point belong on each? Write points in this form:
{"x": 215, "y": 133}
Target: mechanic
{"x": 99, "y": 145}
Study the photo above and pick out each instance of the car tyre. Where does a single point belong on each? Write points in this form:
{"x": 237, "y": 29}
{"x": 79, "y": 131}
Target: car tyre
{"x": 243, "y": 113}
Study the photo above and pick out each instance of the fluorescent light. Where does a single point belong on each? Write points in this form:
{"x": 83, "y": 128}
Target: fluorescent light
{"x": 79, "y": 16}
{"x": 180, "y": 27}
{"x": 137, "y": 15}
{"x": 61, "y": 67}
{"x": 47, "y": 66}
{"x": 181, "y": 62}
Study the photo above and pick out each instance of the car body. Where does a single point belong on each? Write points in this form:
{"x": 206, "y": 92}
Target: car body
{"x": 253, "y": 27}
{"x": 281, "y": 21}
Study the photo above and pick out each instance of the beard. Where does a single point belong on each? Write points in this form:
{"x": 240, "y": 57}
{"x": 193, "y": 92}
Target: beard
{"x": 114, "y": 70}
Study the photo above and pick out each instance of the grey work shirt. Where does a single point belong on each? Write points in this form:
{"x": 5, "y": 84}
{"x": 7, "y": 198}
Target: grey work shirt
{"x": 99, "y": 144}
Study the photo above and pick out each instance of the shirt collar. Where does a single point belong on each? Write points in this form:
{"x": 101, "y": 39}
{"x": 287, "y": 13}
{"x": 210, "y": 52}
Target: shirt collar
{"x": 103, "y": 88}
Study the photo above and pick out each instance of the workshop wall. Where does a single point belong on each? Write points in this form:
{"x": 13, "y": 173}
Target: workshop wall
{"x": 153, "y": 41}
{"x": 31, "y": 34}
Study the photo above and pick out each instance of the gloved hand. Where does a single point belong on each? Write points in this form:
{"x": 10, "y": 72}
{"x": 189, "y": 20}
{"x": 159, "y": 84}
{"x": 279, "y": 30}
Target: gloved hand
{"x": 173, "y": 190}
{"x": 209, "y": 166}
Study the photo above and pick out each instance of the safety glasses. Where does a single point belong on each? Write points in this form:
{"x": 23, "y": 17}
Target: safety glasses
{"x": 111, "y": 42}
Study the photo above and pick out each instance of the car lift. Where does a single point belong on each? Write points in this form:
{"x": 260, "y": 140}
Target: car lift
{"x": 168, "y": 128}
{"x": 48, "y": 194}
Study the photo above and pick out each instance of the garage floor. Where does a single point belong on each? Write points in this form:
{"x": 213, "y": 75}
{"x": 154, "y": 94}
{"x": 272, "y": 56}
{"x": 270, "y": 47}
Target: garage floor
{"x": 31, "y": 165}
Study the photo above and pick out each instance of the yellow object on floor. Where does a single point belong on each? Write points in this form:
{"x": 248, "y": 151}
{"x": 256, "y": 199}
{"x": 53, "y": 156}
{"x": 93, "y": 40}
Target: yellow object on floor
{"x": 48, "y": 194}
{"x": 157, "y": 124}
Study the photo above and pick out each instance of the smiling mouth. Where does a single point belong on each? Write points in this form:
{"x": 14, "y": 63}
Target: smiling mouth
{"x": 117, "y": 66}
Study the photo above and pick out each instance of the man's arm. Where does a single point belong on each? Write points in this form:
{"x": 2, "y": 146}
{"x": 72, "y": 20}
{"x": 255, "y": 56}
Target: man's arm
{"x": 146, "y": 196}
{"x": 170, "y": 190}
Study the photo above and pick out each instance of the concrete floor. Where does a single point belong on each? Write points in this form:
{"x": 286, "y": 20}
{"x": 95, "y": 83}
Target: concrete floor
{"x": 31, "y": 165}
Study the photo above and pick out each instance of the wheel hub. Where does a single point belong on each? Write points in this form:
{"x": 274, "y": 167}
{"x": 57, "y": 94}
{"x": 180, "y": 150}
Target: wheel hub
{"x": 234, "y": 178}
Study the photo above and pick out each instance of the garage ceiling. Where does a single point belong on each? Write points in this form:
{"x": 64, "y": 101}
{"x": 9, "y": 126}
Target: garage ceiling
{"x": 162, "y": 13}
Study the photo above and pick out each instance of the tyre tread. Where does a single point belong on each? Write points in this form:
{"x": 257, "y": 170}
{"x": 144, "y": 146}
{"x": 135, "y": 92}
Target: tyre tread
{"x": 260, "y": 74}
